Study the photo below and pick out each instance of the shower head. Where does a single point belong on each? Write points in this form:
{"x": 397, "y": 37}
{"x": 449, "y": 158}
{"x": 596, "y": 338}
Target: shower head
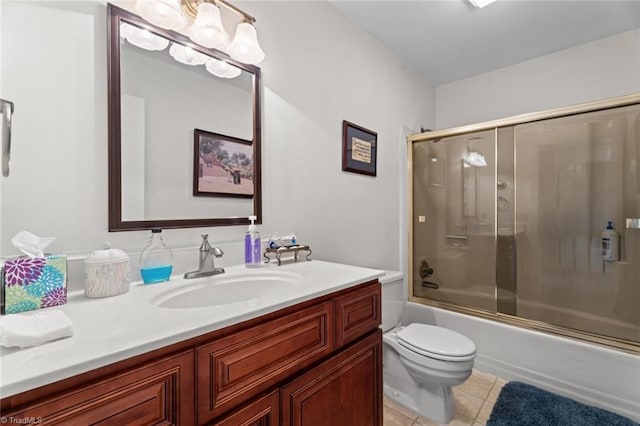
{"x": 474, "y": 158}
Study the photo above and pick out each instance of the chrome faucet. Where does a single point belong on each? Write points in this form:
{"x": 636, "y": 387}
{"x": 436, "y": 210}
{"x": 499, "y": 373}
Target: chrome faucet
{"x": 206, "y": 266}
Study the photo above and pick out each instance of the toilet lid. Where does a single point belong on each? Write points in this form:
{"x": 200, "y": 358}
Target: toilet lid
{"x": 436, "y": 342}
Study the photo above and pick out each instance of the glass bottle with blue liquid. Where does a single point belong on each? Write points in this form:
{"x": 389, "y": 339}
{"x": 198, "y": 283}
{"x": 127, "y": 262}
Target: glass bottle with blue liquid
{"x": 156, "y": 260}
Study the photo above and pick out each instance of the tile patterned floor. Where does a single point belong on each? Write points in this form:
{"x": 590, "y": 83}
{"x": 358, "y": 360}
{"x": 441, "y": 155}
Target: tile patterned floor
{"x": 474, "y": 401}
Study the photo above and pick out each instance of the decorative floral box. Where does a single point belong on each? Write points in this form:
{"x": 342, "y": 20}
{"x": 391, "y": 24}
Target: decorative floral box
{"x": 34, "y": 283}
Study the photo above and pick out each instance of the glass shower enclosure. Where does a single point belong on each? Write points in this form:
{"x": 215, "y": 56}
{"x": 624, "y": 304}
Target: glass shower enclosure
{"x": 507, "y": 221}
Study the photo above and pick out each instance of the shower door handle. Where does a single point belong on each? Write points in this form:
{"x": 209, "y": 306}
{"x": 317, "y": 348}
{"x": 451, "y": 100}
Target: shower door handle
{"x": 425, "y": 270}
{"x": 429, "y": 284}
{"x": 6, "y": 111}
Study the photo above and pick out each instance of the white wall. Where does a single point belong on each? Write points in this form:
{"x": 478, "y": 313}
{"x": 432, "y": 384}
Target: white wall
{"x": 346, "y": 217}
{"x": 1, "y": 94}
{"x": 192, "y": 99}
{"x": 593, "y": 71}
{"x": 315, "y": 75}
{"x": 52, "y": 70}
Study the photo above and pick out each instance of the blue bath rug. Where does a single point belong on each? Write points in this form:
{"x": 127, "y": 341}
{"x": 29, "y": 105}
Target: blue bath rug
{"x": 520, "y": 404}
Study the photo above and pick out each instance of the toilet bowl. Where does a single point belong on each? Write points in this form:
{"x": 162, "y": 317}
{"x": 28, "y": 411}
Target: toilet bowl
{"x": 421, "y": 362}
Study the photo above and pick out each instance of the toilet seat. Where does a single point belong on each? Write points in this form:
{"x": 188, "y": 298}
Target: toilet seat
{"x": 436, "y": 342}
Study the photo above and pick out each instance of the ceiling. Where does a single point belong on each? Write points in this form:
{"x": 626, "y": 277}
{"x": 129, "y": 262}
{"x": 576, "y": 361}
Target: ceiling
{"x": 449, "y": 40}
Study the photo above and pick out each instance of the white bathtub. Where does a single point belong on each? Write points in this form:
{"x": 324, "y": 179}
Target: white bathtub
{"x": 483, "y": 297}
{"x": 588, "y": 373}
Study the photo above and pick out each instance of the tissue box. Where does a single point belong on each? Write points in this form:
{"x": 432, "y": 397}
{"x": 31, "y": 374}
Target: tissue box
{"x": 34, "y": 283}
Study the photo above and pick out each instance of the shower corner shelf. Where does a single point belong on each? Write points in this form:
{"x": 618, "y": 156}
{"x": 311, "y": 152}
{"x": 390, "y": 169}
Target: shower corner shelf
{"x": 278, "y": 252}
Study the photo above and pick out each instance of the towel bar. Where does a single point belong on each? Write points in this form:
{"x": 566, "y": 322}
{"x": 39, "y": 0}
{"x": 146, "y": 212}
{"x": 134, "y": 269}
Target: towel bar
{"x": 6, "y": 110}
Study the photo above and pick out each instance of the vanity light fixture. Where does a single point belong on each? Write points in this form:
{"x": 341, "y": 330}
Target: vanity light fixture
{"x": 207, "y": 29}
{"x": 142, "y": 38}
{"x": 163, "y": 13}
{"x": 479, "y": 4}
{"x": 245, "y": 47}
{"x": 186, "y": 55}
{"x": 222, "y": 69}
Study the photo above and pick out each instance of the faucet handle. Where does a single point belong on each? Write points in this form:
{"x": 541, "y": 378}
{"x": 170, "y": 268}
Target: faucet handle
{"x": 205, "y": 246}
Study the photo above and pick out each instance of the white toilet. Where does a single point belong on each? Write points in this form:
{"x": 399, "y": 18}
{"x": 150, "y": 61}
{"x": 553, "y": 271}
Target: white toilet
{"x": 421, "y": 362}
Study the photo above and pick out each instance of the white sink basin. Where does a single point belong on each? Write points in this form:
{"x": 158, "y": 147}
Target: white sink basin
{"x": 224, "y": 290}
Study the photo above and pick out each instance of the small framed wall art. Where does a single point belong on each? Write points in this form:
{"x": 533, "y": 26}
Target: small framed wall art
{"x": 359, "y": 149}
{"x": 223, "y": 166}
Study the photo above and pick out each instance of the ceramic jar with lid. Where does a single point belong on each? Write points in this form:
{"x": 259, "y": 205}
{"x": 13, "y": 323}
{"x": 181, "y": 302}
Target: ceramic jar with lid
{"x": 106, "y": 273}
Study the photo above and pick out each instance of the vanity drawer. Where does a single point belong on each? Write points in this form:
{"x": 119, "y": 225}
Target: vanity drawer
{"x": 237, "y": 367}
{"x": 357, "y": 313}
{"x": 265, "y": 411}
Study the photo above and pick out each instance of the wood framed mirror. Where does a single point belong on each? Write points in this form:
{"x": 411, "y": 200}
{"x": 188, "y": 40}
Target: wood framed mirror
{"x": 159, "y": 105}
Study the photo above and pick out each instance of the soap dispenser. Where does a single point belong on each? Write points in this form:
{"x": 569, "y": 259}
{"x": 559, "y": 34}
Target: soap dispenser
{"x": 610, "y": 243}
{"x": 252, "y": 246}
{"x": 156, "y": 260}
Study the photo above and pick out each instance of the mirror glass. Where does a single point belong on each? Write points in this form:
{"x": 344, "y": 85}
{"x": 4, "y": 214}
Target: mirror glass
{"x": 184, "y": 145}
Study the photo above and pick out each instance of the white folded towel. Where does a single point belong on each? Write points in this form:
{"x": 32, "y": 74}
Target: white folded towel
{"x": 35, "y": 329}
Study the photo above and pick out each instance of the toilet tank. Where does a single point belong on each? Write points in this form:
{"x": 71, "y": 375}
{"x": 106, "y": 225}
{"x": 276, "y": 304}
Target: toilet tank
{"x": 392, "y": 298}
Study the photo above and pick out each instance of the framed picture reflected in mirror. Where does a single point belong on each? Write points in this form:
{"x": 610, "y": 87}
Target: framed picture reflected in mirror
{"x": 223, "y": 165}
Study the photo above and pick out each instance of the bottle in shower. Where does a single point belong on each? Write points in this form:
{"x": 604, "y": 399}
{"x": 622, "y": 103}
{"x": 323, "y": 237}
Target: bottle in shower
{"x": 610, "y": 243}
{"x": 156, "y": 260}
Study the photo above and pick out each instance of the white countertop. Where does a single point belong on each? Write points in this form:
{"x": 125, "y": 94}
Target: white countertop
{"x": 112, "y": 329}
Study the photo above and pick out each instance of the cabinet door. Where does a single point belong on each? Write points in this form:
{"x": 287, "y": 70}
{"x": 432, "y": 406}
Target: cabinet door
{"x": 238, "y": 367}
{"x": 345, "y": 390}
{"x": 357, "y": 313}
{"x": 265, "y": 411}
{"x": 158, "y": 393}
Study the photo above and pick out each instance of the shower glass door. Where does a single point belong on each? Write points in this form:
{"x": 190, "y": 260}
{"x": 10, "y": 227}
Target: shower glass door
{"x": 573, "y": 175}
{"x": 454, "y": 220}
{"x": 508, "y": 223}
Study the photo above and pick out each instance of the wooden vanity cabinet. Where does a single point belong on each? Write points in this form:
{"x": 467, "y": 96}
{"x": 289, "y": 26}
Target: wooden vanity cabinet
{"x": 313, "y": 364}
{"x": 264, "y": 411}
{"x": 239, "y": 366}
{"x": 157, "y": 393}
{"x": 345, "y": 390}
{"x": 357, "y": 313}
